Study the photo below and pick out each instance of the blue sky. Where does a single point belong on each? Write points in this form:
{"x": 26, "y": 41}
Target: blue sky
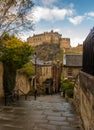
{"x": 71, "y": 18}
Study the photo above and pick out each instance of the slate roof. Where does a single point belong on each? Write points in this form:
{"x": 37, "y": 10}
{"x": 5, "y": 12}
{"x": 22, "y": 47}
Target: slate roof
{"x": 41, "y": 63}
{"x": 73, "y": 60}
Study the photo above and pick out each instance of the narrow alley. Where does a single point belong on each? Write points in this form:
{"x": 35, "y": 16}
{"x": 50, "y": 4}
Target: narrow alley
{"x": 44, "y": 113}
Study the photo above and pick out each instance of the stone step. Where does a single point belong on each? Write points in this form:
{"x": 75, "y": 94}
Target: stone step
{"x": 45, "y": 113}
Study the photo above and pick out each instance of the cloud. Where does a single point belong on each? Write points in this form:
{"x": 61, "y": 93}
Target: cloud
{"x": 55, "y": 13}
{"x": 75, "y": 41}
{"x": 48, "y": 2}
{"x": 57, "y": 30}
{"x": 91, "y": 14}
{"x": 76, "y": 20}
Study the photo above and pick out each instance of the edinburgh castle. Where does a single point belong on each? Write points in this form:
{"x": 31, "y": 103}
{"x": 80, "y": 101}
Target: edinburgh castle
{"x": 49, "y": 37}
{"x": 54, "y": 38}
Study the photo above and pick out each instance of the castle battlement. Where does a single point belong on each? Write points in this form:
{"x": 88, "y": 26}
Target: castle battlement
{"x": 49, "y": 37}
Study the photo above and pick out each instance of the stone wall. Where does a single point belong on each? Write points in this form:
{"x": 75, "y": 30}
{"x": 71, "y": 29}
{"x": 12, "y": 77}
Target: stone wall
{"x": 22, "y": 83}
{"x": 76, "y": 50}
{"x": 84, "y": 99}
{"x": 73, "y": 72}
{"x": 1, "y": 80}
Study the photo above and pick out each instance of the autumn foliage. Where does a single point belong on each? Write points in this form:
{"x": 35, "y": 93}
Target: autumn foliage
{"x": 15, "y": 54}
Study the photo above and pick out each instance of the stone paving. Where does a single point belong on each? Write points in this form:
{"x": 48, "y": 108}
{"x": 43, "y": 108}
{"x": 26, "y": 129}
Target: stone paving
{"x": 45, "y": 113}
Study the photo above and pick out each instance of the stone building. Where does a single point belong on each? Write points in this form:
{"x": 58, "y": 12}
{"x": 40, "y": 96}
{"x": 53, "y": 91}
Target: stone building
{"x": 56, "y": 72}
{"x": 43, "y": 75}
{"x": 72, "y": 64}
{"x": 65, "y": 43}
{"x": 48, "y": 76}
{"x": 49, "y": 37}
{"x": 44, "y": 71}
{"x": 77, "y": 50}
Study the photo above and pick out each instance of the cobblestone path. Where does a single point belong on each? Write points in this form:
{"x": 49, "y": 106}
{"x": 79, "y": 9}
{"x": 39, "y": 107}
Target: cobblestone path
{"x": 46, "y": 113}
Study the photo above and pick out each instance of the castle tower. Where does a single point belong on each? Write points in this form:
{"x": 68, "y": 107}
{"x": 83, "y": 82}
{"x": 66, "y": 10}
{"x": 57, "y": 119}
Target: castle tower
{"x": 65, "y": 43}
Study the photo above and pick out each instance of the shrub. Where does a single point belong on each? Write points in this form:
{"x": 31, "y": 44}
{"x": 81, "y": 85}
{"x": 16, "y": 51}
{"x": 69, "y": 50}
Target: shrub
{"x": 67, "y": 88}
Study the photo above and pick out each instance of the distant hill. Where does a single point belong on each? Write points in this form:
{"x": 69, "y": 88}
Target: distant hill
{"x": 49, "y": 52}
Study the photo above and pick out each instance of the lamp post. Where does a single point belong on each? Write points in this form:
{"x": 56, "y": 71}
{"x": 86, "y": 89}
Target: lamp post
{"x": 58, "y": 75}
{"x": 35, "y": 70}
{"x": 35, "y": 88}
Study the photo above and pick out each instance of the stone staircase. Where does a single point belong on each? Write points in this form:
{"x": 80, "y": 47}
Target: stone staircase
{"x": 44, "y": 113}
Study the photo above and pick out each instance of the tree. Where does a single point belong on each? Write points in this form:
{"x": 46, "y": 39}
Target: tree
{"x": 15, "y": 54}
{"x": 13, "y": 15}
{"x": 28, "y": 69}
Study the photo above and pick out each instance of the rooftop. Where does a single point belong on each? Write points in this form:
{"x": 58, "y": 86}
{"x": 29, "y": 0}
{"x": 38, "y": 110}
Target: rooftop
{"x": 41, "y": 63}
{"x": 72, "y": 60}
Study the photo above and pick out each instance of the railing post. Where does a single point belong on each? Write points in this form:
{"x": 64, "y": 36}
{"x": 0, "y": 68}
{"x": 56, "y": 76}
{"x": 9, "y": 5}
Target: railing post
{"x": 25, "y": 96}
{"x": 5, "y": 100}
{"x": 18, "y": 94}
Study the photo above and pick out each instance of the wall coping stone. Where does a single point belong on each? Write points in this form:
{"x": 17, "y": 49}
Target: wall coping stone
{"x": 86, "y": 82}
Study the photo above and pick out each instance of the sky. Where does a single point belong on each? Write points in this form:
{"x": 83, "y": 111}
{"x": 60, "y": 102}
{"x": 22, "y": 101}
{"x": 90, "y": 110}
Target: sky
{"x": 72, "y": 18}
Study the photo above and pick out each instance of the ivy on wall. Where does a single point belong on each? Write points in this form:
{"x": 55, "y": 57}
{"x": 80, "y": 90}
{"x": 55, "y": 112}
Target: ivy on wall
{"x": 15, "y": 54}
{"x": 9, "y": 77}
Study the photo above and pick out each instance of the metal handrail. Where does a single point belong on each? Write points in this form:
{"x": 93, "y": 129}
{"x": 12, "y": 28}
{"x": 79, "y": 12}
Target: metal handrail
{"x": 13, "y": 95}
{"x": 19, "y": 90}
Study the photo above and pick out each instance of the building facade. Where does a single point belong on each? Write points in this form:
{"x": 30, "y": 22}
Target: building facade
{"x": 43, "y": 75}
{"x": 48, "y": 76}
{"x": 56, "y": 72}
{"x": 49, "y": 37}
{"x": 72, "y": 65}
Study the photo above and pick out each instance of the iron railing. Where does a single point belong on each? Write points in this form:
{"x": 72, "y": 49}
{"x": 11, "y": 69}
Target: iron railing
{"x": 13, "y": 96}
